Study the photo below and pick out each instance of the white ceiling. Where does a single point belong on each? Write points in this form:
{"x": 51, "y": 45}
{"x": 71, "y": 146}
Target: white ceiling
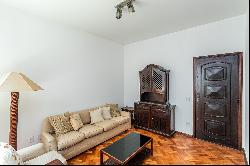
{"x": 152, "y": 17}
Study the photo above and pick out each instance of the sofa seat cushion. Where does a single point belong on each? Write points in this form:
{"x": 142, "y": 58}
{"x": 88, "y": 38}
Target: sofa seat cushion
{"x": 69, "y": 139}
{"x": 91, "y": 130}
{"x": 46, "y": 158}
{"x": 107, "y": 124}
{"x": 121, "y": 119}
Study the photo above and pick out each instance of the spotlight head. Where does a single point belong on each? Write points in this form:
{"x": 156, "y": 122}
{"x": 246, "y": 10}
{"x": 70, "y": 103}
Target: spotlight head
{"x": 119, "y": 13}
{"x": 131, "y": 8}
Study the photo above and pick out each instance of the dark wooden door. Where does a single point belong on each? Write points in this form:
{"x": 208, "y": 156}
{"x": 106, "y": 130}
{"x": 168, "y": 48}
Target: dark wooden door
{"x": 217, "y": 98}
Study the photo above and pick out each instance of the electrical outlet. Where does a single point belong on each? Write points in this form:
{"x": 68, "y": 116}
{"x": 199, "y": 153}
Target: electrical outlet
{"x": 188, "y": 99}
{"x": 38, "y": 138}
{"x": 32, "y": 139}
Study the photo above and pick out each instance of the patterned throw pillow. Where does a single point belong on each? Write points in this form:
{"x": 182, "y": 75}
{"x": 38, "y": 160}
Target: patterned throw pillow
{"x": 106, "y": 113}
{"x": 76, "y": 122}
{"x": 61, "y": 124}
{"x": 114, "y": 110}
{"x": 96, "y": 116}
{"x": 8, "y": 155}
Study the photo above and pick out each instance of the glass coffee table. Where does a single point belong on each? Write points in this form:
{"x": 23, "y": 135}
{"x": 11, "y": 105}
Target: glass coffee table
{"x": 126, "y": 148}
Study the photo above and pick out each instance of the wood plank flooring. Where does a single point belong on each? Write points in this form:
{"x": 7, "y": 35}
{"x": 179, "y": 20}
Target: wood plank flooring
{"x": 178, "y": 150}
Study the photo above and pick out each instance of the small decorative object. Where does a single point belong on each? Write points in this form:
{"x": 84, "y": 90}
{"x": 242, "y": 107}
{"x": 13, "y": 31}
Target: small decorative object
{"x": 15, "y": 83}
{"x": 119, "y": 7}
{"x": 8, "y": 155}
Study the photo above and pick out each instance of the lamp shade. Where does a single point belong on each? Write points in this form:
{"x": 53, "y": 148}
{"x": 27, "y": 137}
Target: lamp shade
{"x": 17, "y": 82}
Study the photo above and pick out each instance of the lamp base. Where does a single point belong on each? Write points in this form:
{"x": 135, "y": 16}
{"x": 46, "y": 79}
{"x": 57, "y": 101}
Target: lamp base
{"x": 13, "y": 119}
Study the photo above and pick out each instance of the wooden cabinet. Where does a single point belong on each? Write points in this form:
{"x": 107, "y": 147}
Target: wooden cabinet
{"x": 154, "y": 112}
{"x": 155, "y": 117}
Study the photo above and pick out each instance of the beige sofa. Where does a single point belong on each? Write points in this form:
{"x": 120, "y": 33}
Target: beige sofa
{"x": 76, "y": 142}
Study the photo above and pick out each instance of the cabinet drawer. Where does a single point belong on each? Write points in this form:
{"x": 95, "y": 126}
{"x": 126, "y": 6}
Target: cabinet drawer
{"x": 159, "y": 107}
{"x": 144, "y": 106}
{"x": 160, "y": 114}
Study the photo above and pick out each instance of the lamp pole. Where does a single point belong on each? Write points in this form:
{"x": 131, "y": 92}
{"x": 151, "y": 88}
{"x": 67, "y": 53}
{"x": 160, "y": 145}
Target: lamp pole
{"x": 13, "y": 119}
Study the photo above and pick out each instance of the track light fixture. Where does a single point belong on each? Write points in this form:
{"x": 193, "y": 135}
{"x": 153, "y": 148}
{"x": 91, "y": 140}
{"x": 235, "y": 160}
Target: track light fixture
{"x": 119, "y": 13}
{"x": 119, "y": 7}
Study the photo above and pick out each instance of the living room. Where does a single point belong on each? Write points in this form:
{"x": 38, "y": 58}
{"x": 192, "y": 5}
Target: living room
{"x": 117, "y": 68}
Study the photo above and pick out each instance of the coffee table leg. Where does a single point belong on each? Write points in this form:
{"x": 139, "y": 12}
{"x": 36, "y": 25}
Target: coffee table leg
{"x": 152, "y": 147}
{"x": 101, "y": 158}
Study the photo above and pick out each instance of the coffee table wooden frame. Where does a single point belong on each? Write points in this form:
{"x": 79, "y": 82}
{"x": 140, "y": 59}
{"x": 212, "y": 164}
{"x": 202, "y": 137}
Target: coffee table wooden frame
{"x": 102, "y": 153}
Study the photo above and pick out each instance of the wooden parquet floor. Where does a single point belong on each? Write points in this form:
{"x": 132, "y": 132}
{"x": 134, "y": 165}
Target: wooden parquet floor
{"x": 178, "y": 150}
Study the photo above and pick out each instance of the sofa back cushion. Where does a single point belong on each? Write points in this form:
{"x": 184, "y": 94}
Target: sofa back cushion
{"x": 85, "y": 116}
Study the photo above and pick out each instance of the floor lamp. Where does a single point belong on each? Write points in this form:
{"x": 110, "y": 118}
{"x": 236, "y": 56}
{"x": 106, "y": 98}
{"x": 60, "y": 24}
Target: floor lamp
{"x": 15, "y": 83}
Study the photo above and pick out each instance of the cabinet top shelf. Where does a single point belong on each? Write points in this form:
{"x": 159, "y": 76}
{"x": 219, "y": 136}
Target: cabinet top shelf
{"x": 155, "y": 66}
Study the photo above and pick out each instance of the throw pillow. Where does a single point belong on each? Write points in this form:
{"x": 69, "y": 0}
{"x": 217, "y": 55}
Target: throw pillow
{"x": 106, "y": 113}
{"x": 114, "y": 110}
{"x": 76, "y": 122}
{"x": 96, "y": 116}
{"x": 61, "y": 124}
{"x": 8, "y": 155}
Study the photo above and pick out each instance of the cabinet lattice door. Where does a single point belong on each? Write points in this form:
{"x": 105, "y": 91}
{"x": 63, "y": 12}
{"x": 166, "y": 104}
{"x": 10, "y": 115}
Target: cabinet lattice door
{"x": 159, "y": 84}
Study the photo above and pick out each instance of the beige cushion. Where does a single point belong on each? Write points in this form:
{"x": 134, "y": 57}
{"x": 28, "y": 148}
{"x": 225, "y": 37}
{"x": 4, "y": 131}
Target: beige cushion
{"x": 114, "y": 110}
{"x": 46, "y": 158}
{"x": 85, "y": 116}
{"x": 107, "y": 124}
{"x": 91, "y": 130}
{"x": 121, "y": 119}
{"x": 96, "y": 116}
{"x": 75, "y": 121}
{"x": 106, "y": 113}
{"x": 61, "y": 124}
{"x": 69, "y": 139}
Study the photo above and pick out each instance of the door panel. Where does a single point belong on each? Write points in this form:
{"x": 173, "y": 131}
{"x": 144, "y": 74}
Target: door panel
{"x": 216, "y": 88}
{"x": 215, "y": 109}
{"x": 160, "y": 119}
{"x": 215, "y": 127}
{"x": 142, "y": 117}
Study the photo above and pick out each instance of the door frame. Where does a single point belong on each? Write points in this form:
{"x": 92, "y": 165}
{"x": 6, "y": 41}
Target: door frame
{"x": 239, "y": 112}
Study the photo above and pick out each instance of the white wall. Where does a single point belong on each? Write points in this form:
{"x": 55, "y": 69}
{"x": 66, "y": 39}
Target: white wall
{"x": 246, "y": 133}
{"x": 77, "y": 70}
{"x": 175, "y": 52}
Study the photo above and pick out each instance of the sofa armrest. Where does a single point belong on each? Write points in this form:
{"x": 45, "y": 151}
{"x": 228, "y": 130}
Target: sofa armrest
{"x": 31, "y": 152}
{"x": 49, "y": 142}
{"x": 126, "y": 114}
